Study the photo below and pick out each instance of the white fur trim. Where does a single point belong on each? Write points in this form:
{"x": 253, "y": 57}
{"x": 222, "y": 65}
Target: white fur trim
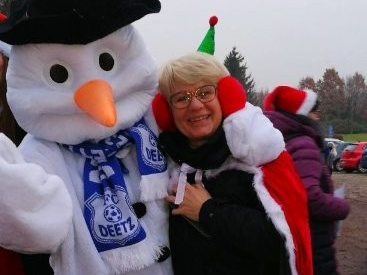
{"x": 272, "y": 208}
{"x": 308, "y": 103}
{"x": 154, "y": 186}
{"x": 276, "y": 214}
{"x": 251, "y": 136}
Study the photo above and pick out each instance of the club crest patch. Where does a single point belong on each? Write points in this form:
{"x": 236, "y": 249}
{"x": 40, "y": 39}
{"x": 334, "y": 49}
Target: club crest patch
{"x": 112, "y": 220}
{"x": 146, "y": 143}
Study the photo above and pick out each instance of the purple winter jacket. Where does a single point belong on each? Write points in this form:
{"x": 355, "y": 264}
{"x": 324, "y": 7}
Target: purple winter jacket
{"x": 304, "y": 143}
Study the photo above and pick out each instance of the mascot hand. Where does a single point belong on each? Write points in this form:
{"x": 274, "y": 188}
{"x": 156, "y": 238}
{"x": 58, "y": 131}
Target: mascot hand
{"x": 35, "y": 207}
{"x": 8, "y": 151}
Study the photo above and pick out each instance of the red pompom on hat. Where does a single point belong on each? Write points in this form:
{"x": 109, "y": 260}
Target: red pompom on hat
{"x": 213, "y": 20}
{"x": 290, "y": 100}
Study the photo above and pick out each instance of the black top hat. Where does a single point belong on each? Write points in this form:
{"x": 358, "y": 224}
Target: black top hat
{"x": 70, "y": 21}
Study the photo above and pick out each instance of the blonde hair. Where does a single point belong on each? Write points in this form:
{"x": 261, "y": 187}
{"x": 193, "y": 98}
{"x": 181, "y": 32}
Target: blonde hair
{"x": 190, "y": 69}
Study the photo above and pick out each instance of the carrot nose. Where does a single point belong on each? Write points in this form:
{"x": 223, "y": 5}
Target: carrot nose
{"x": 95, "y": 98}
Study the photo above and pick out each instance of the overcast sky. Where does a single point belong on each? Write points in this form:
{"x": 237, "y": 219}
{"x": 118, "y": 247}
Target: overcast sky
{"x": 282, "y": 40}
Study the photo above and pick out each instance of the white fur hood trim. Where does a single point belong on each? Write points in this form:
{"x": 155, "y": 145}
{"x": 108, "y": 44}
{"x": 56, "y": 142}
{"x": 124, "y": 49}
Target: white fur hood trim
{"x": 272, "y": 208}
{"x": 251, "y": 136}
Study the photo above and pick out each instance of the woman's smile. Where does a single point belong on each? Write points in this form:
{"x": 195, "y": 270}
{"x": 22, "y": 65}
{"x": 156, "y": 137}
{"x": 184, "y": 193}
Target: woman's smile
{"x": 199, "y": 118}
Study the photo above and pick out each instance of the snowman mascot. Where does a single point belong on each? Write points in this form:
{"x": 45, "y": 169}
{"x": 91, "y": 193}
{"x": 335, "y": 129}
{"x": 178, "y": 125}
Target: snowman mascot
{"x": 87, "y": 184}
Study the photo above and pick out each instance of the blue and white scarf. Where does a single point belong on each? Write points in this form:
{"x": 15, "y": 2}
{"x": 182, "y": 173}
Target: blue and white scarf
{"x": 108, "y": 212}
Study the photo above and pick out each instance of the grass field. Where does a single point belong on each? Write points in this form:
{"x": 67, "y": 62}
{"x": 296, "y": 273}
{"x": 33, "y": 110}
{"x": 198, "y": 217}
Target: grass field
{"x": 355, "y": 137}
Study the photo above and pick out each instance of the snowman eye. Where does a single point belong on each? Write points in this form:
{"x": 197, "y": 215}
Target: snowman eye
{"x": 59, "y": 73}
{"x": 106, "y": 61}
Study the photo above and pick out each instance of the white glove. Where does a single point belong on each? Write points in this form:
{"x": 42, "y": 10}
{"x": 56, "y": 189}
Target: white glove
{"x": 35, "y": 207}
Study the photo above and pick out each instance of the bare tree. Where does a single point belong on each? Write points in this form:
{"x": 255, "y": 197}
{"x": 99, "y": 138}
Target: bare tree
{"x": 307, "y": 83}
{"x": 331, "y": 94}
{"x": 343, "y": 101}
{"x": 260, "y": 95}
{"x": 356, "y": 95}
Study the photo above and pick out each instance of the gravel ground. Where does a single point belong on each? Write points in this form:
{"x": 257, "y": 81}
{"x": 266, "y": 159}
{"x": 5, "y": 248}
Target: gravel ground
{"x": 351, "y": 245}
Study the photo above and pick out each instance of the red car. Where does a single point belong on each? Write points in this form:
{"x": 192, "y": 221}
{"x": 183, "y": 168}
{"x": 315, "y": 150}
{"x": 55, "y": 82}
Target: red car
{"x": 351, "y": 157}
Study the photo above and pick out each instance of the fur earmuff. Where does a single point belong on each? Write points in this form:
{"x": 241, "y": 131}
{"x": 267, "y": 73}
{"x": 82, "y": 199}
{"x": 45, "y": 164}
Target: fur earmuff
{"x": 231, "y": 95}
{"x": 162, "y": 113}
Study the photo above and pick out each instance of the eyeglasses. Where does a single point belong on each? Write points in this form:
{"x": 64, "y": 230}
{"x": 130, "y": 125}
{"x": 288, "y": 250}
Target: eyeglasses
{"x": 182, "y": 100}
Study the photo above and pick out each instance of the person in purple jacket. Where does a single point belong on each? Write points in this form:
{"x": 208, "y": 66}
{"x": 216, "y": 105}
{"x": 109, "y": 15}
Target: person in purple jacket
{"x": 295, "y": 113}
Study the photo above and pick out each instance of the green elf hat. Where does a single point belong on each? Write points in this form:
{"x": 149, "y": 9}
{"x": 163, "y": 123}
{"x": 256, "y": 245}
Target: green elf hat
{"x": 208, "y": 43}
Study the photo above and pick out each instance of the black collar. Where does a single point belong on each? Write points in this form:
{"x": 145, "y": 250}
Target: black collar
{"x": 208, "y": 156}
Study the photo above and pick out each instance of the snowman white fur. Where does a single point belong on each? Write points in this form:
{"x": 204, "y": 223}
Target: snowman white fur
{"x": 41, "y": 204}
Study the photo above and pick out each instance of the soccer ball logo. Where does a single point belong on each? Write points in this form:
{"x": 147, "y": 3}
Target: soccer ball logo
{"x": 152, "y": 140}
{"x": 112, "y": 213}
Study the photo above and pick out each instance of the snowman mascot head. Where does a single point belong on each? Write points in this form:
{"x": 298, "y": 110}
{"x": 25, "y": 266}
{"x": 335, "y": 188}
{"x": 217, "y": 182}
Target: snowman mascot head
{"x": 91, "y": 185}
{"x": 78, "y": 69}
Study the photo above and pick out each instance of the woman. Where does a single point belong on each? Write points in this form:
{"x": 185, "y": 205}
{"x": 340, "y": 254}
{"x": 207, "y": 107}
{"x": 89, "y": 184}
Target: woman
{"x": 331, "y": 156}
{"x": 295, "y": 113}
{"x": 226, "y": 219}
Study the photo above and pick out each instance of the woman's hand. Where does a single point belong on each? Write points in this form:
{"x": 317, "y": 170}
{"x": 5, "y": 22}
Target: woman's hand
{"x": 195, "y": 196}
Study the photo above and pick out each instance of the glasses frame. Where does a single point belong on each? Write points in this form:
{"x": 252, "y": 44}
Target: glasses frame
{"x": 193, "y": 94}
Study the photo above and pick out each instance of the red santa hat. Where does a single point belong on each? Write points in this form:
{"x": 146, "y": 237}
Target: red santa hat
{"x": 290, "y": 100}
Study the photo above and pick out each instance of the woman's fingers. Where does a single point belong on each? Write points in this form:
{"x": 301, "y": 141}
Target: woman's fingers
{"x": 170, "y": 199}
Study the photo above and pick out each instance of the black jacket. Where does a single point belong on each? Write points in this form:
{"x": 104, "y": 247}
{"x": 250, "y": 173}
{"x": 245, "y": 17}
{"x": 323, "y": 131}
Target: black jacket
{"x": 242, "y": 238}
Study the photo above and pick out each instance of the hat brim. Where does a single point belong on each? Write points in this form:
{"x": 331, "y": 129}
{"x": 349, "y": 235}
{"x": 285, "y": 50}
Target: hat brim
{"x": 75, "y": 22}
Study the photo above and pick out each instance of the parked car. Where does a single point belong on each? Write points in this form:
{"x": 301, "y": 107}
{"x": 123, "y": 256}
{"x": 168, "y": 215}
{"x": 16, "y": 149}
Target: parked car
{"x": 363, "y": 162}
{"x": 351, "y": 157}
{"x": 339, "y": 149}
{"x": 339, "y": 146}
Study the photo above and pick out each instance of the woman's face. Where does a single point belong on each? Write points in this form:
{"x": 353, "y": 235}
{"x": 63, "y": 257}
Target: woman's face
{"x": 198, "y": 121}
{"x": 314, "y": 115}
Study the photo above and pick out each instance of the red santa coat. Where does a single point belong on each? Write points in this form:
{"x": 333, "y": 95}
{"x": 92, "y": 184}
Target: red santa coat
{"x": 281, "y": 179}
{"x": 10, "y": 263}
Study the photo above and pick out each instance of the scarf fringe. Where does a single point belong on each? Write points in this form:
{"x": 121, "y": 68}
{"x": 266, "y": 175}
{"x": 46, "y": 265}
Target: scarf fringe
{"x": 135, "y": 257}
{"x": 154, "y": 186}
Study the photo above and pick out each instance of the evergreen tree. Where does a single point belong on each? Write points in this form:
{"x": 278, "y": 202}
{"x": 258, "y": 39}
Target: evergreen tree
{"x": 236, "y": 66}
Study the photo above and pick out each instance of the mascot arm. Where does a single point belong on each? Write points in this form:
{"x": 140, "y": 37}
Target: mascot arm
{"x": 251, "y": 136}
{"x": 35, "y": 207}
